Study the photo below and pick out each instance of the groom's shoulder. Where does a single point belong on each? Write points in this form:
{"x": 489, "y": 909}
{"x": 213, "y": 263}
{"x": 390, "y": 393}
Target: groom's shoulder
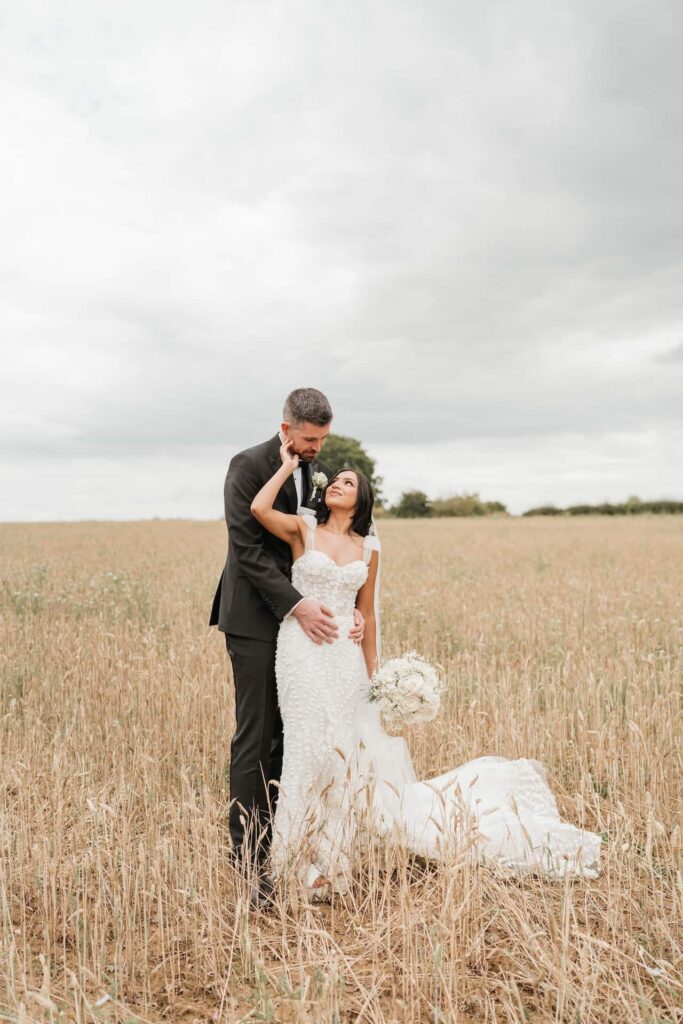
{"x": 257, "y": 453}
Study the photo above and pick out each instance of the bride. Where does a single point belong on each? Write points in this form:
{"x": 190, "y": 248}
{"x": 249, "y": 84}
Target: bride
{"x": 341, "y": 770}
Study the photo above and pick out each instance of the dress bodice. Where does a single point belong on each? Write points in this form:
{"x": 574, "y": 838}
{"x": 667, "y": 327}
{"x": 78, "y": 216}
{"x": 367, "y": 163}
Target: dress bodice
{"x": 317, "y": 575}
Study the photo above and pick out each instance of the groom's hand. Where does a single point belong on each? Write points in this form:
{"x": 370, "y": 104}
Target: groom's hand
{"x": 316, "y": 620}
{"x": 357, "y": 632}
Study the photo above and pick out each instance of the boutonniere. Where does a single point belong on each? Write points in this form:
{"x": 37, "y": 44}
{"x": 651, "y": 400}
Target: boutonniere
{"x": 319, "y": 481}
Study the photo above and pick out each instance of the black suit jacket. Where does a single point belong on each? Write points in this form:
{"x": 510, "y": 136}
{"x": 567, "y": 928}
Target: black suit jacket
{"x": 255, "y": 592}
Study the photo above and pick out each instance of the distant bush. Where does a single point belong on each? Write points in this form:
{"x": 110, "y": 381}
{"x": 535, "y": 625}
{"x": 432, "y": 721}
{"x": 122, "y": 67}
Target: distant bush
{"x": 416, "y": 505}
{"x": 590, "y": 510}
{"x": 662, "y": 507}
{"x": 495, "y": 506}
{"x": 545, "y": 510}
{"x": 412, "y": 505}
{"x": 466, "y": 505}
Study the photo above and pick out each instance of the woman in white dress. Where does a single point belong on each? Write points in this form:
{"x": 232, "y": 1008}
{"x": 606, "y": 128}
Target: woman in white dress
{"x": 341, "y": 768}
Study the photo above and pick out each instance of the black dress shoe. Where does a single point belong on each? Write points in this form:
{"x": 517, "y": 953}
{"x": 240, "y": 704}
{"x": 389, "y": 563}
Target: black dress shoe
{"x": 263, "y": 895}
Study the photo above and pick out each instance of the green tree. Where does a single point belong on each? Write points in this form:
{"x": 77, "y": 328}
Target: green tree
{"x": 340, "y": 451}
{"x": 412, "y": 505}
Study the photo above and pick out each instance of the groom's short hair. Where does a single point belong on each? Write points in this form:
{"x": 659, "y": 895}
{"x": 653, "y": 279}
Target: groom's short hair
{"x": 307, "y": 405}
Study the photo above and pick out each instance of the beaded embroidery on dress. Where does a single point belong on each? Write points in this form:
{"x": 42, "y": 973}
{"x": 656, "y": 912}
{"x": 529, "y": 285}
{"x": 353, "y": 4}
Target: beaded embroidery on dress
{"x": 341, "y": 770}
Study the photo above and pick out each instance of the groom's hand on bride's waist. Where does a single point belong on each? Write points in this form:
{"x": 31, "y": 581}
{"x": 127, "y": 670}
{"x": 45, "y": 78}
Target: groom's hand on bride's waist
{"x": 316, "y": 620}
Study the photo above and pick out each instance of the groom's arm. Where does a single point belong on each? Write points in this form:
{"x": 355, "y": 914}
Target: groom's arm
{"x": 246, "y": 538}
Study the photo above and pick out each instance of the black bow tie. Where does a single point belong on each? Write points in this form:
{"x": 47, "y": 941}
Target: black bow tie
{"x": 305, "y": 481}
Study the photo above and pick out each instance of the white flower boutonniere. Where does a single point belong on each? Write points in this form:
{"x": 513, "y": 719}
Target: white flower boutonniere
{"x": 319, "y": 481}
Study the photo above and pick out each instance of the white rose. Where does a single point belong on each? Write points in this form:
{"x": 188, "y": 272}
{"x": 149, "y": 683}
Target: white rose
{"x": 414, "y": 683}
{"x": 411, "y": 702}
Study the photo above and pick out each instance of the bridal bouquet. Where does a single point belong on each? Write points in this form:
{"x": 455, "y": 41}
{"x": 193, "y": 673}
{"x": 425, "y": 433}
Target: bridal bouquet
{"x": 407, "y": 689}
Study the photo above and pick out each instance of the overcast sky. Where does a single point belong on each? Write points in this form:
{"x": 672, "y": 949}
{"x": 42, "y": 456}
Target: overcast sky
{"x": 462, "y": 221}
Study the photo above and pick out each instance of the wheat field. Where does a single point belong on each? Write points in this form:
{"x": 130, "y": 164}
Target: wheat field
{"x": 560, "y": 640}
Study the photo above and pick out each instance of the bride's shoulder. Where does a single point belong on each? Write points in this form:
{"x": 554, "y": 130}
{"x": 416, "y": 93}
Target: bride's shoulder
{"x": 367, "y": 544}
{"x": 371, "y": 542}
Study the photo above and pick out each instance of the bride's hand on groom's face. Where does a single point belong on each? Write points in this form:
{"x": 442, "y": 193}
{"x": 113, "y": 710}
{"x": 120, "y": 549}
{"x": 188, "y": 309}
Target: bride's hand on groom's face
{"x": 290, "y": 460}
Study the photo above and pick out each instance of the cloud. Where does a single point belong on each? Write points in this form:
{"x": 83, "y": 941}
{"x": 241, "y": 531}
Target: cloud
{"x": 461, "y": 222}
{"x": 671, "y": 355}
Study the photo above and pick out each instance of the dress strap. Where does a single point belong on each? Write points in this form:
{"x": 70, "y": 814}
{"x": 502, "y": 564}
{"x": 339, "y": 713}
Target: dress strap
{"x": 370, "y": 544}
{"x": 311, "y": 524}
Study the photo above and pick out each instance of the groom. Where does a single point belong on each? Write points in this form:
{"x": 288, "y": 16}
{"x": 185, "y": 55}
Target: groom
{"x": 254, "y": 595}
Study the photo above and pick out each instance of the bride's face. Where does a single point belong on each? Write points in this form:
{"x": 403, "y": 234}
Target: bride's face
{"x": 342, "y": 493}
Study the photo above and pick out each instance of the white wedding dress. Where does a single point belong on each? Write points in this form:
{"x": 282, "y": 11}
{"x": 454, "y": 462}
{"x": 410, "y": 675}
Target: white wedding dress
{"x": 345, "y": 779}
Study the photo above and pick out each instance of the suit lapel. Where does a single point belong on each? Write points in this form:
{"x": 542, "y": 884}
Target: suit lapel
{"x": 290, "y": 490}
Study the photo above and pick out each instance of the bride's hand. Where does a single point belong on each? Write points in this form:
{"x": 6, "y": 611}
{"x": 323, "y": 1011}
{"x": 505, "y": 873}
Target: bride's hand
{"x": 290, "y": 460}
{"x": 357, "y": 631}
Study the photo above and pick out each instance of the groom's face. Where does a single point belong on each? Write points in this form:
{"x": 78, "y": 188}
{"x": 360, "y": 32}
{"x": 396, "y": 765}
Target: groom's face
{"x": 308, "y": 439}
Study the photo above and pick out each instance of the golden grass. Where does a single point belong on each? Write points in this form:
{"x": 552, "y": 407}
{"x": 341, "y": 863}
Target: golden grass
{"x": 560, "y": 640}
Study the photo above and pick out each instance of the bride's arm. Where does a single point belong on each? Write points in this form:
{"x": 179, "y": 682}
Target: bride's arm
{"x": 287, "y": 527}
{"x": 365, "y": 602}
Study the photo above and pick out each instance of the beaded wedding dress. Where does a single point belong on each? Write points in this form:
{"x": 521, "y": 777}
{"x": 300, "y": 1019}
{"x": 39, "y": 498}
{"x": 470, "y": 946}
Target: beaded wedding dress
{"x": 346, "y": 782}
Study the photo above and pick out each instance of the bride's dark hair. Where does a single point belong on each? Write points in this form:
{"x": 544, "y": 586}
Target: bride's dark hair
{"x": 362, "y": 514}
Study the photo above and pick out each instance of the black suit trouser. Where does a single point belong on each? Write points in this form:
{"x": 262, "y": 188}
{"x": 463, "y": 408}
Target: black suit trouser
{"x": 257, "y": 745}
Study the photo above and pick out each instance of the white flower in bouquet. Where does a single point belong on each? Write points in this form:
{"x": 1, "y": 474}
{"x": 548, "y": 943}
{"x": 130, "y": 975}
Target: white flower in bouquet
{"x": 407, "y": 690}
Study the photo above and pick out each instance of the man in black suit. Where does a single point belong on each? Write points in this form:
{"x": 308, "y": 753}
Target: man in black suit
{"x": 254, "y": 594}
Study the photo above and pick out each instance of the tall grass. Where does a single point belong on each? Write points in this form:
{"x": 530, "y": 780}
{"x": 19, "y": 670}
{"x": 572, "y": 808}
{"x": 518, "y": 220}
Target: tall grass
{"x": 560, "y": 640}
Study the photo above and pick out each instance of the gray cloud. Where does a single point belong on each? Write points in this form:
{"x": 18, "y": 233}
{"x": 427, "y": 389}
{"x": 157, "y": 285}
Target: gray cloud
{"x": 671, "y": 355}
{"x": 462, "y": 222}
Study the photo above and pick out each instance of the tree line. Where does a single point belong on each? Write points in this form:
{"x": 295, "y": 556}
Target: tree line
{"x": 416, "y": 504}
{"x": 633, "y": 507}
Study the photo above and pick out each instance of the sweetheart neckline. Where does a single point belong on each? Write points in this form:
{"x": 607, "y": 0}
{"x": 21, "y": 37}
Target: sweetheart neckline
{"x": 316, "y": 551}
